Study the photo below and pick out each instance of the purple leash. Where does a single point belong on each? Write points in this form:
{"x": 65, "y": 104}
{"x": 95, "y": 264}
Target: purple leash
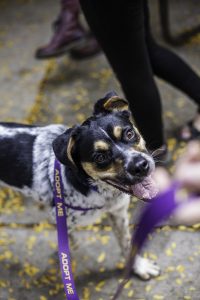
{"x": 161, "y": 207}
{"x": 62, "y": 232}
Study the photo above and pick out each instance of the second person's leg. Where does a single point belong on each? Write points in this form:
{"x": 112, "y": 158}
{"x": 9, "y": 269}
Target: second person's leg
{"x": 169, "y": 66}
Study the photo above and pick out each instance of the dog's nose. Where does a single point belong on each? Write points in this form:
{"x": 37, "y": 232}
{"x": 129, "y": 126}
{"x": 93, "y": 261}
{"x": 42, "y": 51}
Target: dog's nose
{"x": 139, "y": 166}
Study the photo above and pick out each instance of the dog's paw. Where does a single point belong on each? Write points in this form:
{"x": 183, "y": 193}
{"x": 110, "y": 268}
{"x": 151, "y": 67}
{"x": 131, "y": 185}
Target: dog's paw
{"x": 145, "y": 268}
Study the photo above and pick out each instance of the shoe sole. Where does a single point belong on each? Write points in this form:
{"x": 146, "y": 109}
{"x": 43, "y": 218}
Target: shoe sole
{"x": 62, "y": 50}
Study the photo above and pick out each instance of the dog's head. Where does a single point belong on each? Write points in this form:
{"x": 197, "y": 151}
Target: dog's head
{"x": 108, "y": 147}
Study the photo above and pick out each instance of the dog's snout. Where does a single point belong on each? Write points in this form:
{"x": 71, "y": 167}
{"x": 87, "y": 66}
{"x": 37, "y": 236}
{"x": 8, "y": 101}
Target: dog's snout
{"x": 139, "y": 166}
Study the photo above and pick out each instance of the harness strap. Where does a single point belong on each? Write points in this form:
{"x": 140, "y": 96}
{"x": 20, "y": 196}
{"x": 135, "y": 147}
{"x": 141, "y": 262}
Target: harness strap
{"x": 82, "y": 208}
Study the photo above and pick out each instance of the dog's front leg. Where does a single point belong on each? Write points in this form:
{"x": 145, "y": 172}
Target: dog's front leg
{"x": 143, "y": 267}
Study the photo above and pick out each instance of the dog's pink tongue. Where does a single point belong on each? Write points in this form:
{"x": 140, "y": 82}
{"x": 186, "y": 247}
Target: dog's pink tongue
{"x": 147, "y": 189}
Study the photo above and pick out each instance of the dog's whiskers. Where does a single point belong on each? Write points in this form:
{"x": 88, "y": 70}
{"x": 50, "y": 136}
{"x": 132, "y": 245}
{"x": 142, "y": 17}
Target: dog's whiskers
{"x": 159, "y": 161}
{"x": 157, "y": 152}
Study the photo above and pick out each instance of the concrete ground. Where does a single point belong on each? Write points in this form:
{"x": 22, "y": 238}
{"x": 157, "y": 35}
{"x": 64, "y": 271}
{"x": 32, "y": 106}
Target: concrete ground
{"x": 64, "y": 90}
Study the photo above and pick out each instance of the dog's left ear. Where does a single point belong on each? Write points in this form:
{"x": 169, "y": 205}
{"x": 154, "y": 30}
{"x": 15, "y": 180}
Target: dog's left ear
{"x": 109, "y": 103}
{"x": 63, "y": 146}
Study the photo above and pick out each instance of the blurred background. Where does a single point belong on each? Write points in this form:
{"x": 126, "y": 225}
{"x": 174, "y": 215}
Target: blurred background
{"x": 63, "y": 90}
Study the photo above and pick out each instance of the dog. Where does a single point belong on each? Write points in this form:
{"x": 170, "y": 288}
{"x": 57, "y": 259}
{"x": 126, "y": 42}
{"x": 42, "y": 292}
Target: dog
{"x": 103, "y": 162}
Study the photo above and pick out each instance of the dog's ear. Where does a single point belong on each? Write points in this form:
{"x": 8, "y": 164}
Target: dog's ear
{"x": 109, "y": 103}
{"x": 63, "y": 146}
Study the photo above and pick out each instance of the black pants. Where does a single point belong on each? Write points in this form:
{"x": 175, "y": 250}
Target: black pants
{"x": 122, "y": 28}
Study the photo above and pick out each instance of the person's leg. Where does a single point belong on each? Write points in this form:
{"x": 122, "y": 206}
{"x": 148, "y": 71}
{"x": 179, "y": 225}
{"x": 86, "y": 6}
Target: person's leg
{"x": 119, "y": 28}
{"x": 170, "y": 67}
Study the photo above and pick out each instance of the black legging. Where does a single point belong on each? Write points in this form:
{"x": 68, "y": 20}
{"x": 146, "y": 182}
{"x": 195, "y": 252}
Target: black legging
{"x": 122, "y": 28}
{"x": 169, "y": 66}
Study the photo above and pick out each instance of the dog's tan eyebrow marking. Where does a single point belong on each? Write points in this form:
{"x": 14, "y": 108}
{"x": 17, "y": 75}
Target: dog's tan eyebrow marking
{"x": 101, "y": 145}
{"x": 117, "y": 132}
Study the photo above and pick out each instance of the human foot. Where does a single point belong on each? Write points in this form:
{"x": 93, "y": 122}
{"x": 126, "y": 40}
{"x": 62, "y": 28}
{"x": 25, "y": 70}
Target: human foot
{"x": 191, "y": 131}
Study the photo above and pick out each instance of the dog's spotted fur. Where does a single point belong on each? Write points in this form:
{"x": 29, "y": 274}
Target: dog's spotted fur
{"x": 27, "y": 165}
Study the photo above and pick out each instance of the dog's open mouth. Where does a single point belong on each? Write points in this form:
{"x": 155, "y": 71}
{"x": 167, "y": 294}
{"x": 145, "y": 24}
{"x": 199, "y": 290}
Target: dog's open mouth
{"x": 146, "y": 189}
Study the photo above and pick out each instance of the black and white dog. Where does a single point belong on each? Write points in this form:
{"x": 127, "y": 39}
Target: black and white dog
{"x": 103, "y": 162}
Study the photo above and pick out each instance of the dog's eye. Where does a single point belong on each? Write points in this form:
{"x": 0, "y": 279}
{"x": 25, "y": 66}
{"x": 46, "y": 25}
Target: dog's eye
{"x": 100, "y": 157}
{"x": 130, "y": 134}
